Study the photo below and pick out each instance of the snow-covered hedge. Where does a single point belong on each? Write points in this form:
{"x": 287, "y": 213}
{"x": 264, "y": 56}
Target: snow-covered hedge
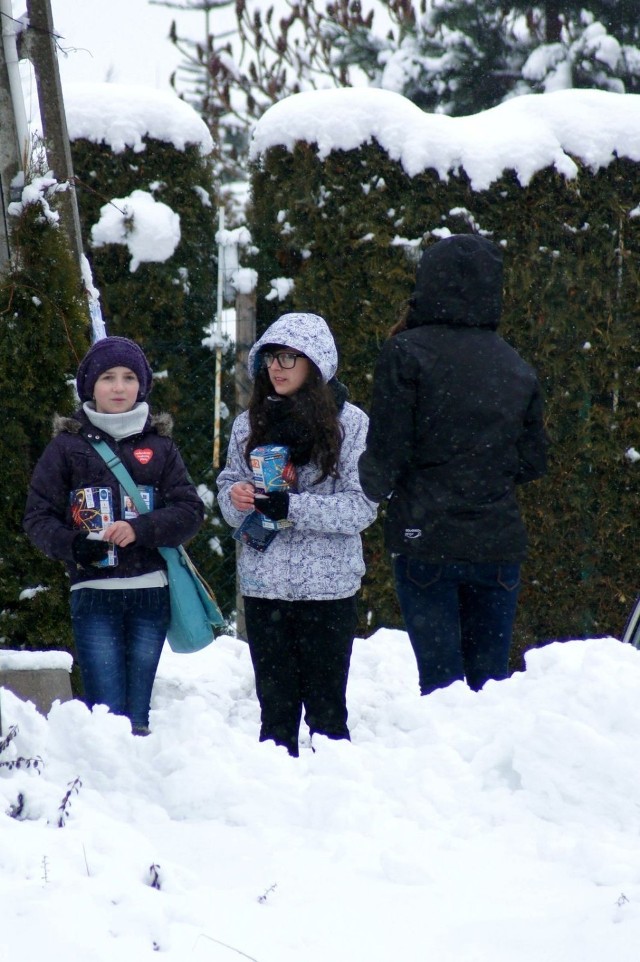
{"x": 349, "y": 186}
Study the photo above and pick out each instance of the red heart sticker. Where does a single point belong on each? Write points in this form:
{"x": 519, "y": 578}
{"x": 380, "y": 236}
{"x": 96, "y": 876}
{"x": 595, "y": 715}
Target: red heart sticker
{"x": 143, "y": 455}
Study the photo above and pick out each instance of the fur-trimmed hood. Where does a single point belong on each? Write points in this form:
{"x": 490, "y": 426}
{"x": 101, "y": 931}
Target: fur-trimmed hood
{"x": 161, "y": 423}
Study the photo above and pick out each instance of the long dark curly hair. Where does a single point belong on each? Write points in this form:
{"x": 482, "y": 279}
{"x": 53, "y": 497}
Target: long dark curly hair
{"x": 308, "y": 422}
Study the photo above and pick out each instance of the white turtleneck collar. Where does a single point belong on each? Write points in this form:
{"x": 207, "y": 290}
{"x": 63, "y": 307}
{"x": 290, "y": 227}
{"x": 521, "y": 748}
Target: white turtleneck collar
{"x": 119, "y": 426}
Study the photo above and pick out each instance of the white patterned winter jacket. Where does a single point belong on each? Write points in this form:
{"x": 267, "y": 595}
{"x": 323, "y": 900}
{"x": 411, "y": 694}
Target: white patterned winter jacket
{"x": 320, "y": 556}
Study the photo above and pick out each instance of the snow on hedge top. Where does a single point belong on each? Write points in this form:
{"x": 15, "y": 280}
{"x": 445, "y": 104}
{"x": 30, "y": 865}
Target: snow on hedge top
{"x": 122, "y": 116}
{"x": 525, "y": 134}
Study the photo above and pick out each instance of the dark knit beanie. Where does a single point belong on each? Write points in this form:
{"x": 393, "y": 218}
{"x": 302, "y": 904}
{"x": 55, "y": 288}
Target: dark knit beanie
{"x": 113, "y": 352}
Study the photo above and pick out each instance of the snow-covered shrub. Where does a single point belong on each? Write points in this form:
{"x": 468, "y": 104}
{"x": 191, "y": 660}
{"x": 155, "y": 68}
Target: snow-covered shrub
{"x": 572, "y": 250}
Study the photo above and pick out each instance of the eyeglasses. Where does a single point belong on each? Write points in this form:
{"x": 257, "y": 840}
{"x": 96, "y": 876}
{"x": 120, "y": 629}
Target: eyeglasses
{"x": 285, "y": 359}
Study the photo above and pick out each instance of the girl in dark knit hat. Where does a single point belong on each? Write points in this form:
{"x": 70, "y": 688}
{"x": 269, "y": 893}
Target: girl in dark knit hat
{"x": 77, "y": 513}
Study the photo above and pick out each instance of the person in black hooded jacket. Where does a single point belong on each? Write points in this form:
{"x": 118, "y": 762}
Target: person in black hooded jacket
{"x": 466, "y": 415}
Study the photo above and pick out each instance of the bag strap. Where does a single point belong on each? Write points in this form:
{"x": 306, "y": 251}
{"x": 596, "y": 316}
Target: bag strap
{"x": 118, "y": 469}
{"x": 121, "y": 474}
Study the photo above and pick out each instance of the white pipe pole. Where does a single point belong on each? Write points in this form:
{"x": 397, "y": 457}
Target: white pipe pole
{"x": 221, "y": 265}
{"x": 10, "y": 30}
{"x": 218, "y": 381}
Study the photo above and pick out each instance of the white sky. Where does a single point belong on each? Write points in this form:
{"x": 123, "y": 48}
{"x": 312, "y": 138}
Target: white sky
{"x": 499, "y": 826}
{"x": 122, "y": 41}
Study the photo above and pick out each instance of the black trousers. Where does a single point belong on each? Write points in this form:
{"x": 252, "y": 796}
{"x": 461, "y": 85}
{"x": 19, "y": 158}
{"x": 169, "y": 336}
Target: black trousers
{"x": 301, "y": 652}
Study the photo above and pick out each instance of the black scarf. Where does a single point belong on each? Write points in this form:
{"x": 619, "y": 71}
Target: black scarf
{"x": 292, "y": 421}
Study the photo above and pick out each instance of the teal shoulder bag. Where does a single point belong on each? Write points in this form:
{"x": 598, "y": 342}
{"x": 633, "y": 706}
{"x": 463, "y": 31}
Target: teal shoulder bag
{"x": 194, "y": 610}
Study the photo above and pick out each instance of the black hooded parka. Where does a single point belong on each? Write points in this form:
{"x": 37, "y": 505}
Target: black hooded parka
{"x": 456, "y": 418}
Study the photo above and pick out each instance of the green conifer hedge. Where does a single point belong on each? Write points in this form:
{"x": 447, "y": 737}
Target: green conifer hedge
{"x": 572, "y": 256}
{"x": 44, "y": 331}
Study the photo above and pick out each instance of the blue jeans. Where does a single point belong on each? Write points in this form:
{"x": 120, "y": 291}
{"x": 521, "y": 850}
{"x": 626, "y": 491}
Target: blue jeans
{"x": 459, "y": 618}
{"x": 119, "y": 636}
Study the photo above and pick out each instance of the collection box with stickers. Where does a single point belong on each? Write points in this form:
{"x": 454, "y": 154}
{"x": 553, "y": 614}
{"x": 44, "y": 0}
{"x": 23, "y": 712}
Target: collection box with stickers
{"x": 272, "y": 471}
{"x": 92, "y": 511}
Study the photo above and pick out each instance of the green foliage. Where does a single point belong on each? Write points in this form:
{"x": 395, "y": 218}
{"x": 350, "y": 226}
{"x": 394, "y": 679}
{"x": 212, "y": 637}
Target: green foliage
{"x": 447, "y": 56}
{"x": 348, "y": 232}
{"x": 43, "y": 332}
{"x": 468, "y": 57}
{"x": 167, "y": 308}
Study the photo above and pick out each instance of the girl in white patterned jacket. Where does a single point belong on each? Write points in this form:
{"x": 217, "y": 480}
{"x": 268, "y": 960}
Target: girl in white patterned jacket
{"x": 300, "y": 594}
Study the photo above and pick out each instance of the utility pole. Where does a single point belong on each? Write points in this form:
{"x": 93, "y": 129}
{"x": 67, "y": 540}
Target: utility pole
{"x": 41, "y": 49}
{"x": 8, "y": 161}
{"x": 39, "y": 45}
{"x": 12, "y": 126}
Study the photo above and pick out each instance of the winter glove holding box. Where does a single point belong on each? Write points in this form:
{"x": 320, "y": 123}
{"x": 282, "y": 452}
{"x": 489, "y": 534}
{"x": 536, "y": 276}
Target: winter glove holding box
{"x": 87, "y": 552}
{"x": 274, "y": 505}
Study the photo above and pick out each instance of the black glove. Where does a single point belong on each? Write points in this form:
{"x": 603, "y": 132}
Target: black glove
{"x": 87, "y": 552}
{"x": 275, "y": 504}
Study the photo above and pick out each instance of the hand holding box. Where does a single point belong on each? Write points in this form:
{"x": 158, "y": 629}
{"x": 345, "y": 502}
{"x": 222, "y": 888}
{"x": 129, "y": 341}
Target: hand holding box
{"x": 273, "y": 472}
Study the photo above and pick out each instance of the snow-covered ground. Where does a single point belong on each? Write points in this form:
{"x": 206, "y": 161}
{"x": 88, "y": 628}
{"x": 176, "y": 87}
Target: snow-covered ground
{"x": 499, "y": 826}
